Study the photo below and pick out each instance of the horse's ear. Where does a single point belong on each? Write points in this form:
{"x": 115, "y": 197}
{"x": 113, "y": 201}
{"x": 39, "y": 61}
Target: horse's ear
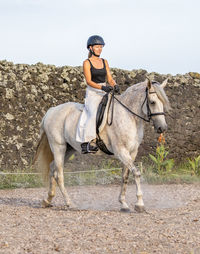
{"x": 164, "y": 83}
{"x": 148, "y": 83}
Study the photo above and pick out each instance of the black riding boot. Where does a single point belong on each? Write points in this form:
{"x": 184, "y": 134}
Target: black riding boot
{"x": 88, "y": 148}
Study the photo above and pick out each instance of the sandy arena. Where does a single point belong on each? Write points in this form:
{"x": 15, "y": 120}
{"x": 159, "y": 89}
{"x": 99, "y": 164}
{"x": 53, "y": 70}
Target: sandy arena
{"x": 171, "y": 223}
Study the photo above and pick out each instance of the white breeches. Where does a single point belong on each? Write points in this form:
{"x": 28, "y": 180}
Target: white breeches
{"x": 86, "y": 129}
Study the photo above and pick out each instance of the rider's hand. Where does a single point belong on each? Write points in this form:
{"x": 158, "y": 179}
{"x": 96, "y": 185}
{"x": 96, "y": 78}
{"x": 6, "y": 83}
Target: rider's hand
{"x": 107, "y": 89}
{"x": 117, "y": 89}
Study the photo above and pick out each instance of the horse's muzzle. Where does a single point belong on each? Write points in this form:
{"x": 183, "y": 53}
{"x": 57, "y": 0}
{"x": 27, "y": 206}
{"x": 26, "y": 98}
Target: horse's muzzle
{"x": 162, "y": 129}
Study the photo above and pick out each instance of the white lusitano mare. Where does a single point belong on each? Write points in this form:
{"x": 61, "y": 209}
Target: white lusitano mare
{"x": 122, "y": 138}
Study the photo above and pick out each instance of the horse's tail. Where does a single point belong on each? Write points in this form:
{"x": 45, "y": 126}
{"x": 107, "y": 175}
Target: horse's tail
{"x": 43, "y": 156}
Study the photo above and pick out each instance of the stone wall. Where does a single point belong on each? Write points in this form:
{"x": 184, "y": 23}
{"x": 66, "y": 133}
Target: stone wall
{"x": 27, "y": 91}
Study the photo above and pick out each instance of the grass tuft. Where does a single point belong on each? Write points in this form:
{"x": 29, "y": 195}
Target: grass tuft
{"x": 19, "y": 179}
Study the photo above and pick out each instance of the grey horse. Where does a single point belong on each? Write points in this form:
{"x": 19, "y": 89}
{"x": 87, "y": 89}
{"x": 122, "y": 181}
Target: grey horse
{"x": 140, "y": 102}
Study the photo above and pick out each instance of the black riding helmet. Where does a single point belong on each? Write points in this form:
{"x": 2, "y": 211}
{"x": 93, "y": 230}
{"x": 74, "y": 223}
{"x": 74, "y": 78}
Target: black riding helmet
{"x": 95, "y": 40}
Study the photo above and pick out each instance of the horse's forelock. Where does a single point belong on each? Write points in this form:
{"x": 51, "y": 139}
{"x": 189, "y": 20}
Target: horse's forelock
{"x": 162, "y": 96}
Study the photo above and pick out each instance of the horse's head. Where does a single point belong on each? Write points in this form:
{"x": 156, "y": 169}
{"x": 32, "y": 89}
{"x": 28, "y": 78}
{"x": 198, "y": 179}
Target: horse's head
{"x": 156, "y": 102}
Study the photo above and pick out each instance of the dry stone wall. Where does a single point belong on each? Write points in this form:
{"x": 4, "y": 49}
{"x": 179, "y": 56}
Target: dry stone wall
{"x": 27, "y": 91}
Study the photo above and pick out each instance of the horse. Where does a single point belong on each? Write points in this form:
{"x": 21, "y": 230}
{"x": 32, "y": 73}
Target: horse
{"x": 140, "y": 102}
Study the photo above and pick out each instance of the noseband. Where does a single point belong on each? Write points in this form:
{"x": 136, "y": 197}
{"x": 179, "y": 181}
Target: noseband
{"x": 149, "y": 114}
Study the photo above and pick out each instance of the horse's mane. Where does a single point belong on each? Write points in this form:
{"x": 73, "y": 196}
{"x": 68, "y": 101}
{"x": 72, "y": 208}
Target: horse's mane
{"x": 134, "y": 89}
{"x": 162, "y": 96}
{"x": 138, "y": 89}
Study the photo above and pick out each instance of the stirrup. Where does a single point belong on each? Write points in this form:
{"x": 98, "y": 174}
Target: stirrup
{"x": 88, "y": 148}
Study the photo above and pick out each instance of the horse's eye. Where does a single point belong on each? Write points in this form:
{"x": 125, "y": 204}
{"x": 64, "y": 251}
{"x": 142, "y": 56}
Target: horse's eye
{"x": 152, "y": 102}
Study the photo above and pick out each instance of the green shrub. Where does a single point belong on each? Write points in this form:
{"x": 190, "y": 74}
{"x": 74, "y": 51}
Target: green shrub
{"x": 195, "y": 165}
{"x": 162, "y": 164}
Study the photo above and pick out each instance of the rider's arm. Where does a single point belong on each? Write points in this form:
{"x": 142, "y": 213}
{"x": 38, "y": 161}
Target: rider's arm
{"x": 87, "y": 74}
{"x": 109, "y": 76}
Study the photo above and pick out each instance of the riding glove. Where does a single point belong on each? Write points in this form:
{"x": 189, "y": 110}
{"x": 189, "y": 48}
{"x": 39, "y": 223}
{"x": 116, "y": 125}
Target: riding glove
{"x": 107, "y": 89}
{"x": 117, "y": 89}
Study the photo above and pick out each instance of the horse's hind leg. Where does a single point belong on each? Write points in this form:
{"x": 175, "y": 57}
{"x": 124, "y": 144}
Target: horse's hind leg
{"x": 59, "y": 157}
{"x": 52, "y": 187}
{"x": 122, "y": 196}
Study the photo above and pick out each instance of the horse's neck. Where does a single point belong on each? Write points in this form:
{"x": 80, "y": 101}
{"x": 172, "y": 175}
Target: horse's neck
{"x": 126, "y": 123}
{"x": 133, "y": 99}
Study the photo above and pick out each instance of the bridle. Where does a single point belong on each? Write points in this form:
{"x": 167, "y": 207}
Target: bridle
{"x": 149, "y": 114}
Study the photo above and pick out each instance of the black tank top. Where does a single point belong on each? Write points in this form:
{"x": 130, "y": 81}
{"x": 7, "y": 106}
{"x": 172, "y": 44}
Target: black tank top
{"x": 98, "y": 75}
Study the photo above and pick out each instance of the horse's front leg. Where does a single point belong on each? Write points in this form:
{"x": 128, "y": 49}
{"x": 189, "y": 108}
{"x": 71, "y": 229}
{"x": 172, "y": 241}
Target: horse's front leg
{"x": 122, "y": 197}
{"x": 128, "y": 159}
{"x": 139, "y": 206}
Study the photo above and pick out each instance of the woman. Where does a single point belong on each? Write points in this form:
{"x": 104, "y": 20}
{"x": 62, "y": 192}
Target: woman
{"x": 96, "y": 71}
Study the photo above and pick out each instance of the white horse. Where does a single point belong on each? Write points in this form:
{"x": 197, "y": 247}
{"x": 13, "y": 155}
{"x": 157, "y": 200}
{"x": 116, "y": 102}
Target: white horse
{"x": 122, "y": 138}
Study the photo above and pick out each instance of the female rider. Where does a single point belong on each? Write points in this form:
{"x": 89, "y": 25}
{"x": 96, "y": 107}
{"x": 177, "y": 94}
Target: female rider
{"x": 96, "y": 71}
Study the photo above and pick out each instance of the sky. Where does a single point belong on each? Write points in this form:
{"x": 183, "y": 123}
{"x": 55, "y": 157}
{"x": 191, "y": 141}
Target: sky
{"x": 158, "y": 36}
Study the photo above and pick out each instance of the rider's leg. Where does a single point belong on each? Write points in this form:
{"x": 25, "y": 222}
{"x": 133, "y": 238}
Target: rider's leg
{"x": 89, "y": 147}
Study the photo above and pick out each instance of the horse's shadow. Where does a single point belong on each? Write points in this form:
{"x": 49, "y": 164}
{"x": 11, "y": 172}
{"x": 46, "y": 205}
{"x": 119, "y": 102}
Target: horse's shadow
{"x": 19, "y": 202}
{"x": 26, "y": 202}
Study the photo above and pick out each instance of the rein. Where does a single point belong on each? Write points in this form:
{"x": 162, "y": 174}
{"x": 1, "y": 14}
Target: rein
{"x": 149, "y": 114}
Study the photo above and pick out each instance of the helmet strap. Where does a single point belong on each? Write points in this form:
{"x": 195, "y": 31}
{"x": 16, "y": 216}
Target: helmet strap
{"x": 94, "y": 53}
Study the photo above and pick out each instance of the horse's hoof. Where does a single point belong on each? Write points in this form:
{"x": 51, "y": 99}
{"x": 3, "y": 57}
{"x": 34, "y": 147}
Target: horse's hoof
{"x": 70, "y": 206}
{"x": 125, "y": 210}
{"x": 139, "y": 209}
{"x": 46, "y": 204}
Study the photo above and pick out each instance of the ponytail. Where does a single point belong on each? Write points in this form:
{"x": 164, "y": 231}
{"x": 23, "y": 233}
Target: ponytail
{"x": 89, "y": 54}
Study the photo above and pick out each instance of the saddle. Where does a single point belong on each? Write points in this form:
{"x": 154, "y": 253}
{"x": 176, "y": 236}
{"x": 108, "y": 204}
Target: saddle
{"x": 99, "y": 119}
